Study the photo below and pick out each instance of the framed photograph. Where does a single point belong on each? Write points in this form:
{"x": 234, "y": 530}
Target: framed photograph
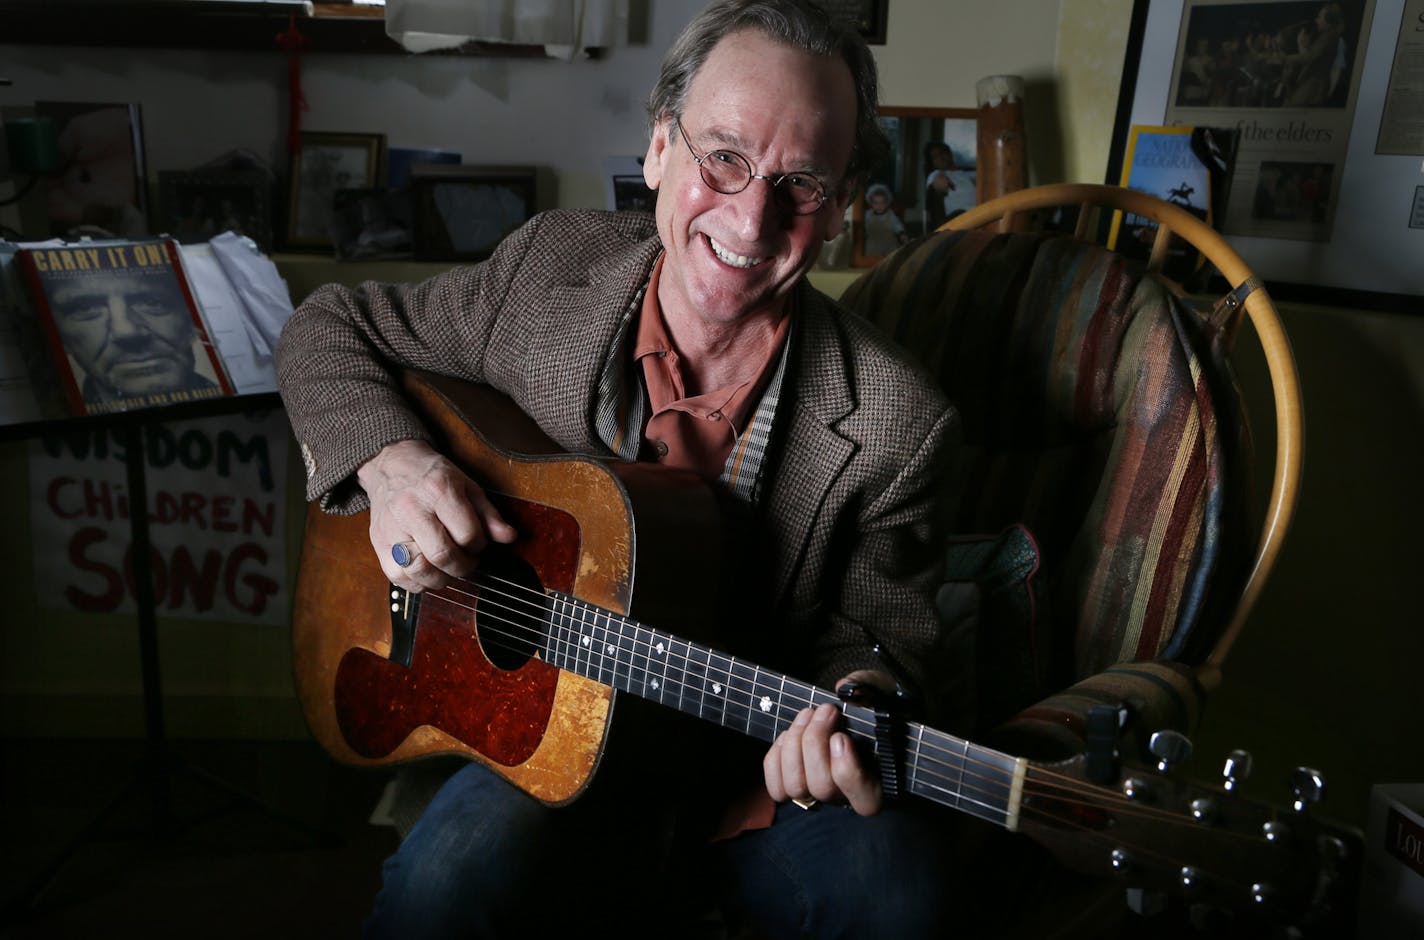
{"x": 101, "y": 187}
{"x": 462, "y": 212}
{"x": 1322, "y": 192}
{"x": 325, "y": 163}
{"x": 627, "y": 190}
{"x": 196, "y": 205}
{"x": 928, "y": 178}
{"x": 867, "y": 15}
{"x": 371, "y": 223}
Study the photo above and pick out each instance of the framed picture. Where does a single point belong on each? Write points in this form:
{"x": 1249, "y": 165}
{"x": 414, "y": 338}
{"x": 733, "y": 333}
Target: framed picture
{"x": 627, "y": 190}
{"x": 928, "y": 178}
{"x": 196, "y": 205}
{"x": 325, "y": 163}
{"x": 101, "y": 187}
{"x": 462, "y": 212}
{"x": 371, "y": 223}
{"x": 867, "y": 15}
{"x": 1322, "y": 201}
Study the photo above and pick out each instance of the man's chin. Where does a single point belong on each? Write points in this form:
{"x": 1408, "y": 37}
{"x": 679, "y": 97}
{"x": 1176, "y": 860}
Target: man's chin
{"x": 135, "y": 381}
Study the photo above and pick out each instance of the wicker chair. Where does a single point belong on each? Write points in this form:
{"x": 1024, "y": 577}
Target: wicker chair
{"x": 1105, "y": 489}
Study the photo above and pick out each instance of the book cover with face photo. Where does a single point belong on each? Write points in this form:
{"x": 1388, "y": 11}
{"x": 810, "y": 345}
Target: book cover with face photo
{"x": 123, "y": 325}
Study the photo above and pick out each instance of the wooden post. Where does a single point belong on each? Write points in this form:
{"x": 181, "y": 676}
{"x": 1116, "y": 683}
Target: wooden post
{"x": 1003, "y": 151}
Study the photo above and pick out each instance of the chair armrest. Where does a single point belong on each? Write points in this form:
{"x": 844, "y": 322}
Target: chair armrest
{"x": 1162, "y": 695}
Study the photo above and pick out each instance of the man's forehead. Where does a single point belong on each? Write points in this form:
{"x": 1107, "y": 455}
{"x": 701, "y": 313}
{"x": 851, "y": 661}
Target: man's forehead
{"x": 751, "y": 82}
{"x": 107, "y": 285}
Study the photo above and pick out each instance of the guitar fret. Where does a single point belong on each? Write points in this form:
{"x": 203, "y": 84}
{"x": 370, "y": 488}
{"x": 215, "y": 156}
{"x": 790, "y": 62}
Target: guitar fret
{"x": 557, "y": 646}
{"x": 717, "y": 677}
{"x": 658, "y": 653}
{"x": 678, "y": 653}
{"x": 701, "y": 677}
{"x": 582, "y": 642}
{"x": 602, "y": 647}
{"x": 623, "y": 656}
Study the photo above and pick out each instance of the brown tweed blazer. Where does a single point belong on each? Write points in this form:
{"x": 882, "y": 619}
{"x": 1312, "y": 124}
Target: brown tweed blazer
{"x": 847, "y": 535}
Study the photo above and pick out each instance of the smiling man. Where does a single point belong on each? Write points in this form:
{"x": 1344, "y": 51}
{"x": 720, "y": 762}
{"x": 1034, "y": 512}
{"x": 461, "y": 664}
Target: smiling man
{"x": 690, "y": 338}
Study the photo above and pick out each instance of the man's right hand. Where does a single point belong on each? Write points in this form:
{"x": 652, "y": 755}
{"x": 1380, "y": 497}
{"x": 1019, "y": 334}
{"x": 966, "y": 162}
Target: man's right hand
{"x": 418, "y": 497}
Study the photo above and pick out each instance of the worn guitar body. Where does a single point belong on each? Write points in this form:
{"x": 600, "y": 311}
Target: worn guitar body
{"x": 543, "y": 728}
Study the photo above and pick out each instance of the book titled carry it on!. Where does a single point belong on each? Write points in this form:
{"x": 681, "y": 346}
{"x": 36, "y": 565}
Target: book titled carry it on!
{"x": 123, "y": 325}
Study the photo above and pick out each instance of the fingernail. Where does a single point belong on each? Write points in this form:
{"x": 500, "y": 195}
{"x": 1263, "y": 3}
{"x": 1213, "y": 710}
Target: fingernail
{"x": 838, "y": 745}
{"x": 802, "y": 717}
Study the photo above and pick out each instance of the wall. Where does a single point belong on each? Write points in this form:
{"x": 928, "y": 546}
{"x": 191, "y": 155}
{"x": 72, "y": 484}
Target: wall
{"x": 564, "y": 116}
{"x": 1325, "y": 673}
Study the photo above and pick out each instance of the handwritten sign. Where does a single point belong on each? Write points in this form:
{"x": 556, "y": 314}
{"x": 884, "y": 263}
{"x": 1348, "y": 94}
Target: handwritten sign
{"x": 217, "y": 519}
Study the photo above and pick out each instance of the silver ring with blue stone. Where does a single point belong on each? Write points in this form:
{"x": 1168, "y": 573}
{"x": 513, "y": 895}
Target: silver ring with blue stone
{"x": 404, "y": 553}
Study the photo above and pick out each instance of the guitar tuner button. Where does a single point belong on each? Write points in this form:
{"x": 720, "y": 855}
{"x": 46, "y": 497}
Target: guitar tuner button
{"x": 1308, "y": 786}
{"x": 1274, "y": 831}
{"x": 1121, "y": 862}
{"x": 1191, "y": 878}
{"x": 1134, "y": 788}
{"x": 1170, "y": 748}
{"x": 1202, "y": 809}
{"x": 1236, "y": 769}
{"x": 1261, "y": 893}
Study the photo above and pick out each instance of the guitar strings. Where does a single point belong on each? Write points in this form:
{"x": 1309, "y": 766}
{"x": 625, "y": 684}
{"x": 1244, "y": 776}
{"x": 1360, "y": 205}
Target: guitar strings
{"x": 941, "y": 765}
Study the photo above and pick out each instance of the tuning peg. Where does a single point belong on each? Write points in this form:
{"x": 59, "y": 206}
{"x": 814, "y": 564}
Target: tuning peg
{"x": 1170, "y": 748}
{"x": 1237, "y": 768}
{"x": 1308, "y": 786}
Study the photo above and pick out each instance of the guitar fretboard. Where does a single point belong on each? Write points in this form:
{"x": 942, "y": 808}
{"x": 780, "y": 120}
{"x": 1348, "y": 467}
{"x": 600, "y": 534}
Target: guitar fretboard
{"x": 697, "y": 680}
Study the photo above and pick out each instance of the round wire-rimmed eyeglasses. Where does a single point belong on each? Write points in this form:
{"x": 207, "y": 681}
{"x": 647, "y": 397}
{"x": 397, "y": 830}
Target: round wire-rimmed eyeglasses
{"x": 728, "y": 172}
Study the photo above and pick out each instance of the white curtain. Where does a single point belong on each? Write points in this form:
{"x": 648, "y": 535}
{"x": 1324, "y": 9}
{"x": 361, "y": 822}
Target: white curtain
{"x": 564, "y": 27}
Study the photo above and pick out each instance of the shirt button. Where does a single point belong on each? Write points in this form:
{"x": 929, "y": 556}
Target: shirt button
{"x": 715, "y": 415}
{"x": 660, "y": 448}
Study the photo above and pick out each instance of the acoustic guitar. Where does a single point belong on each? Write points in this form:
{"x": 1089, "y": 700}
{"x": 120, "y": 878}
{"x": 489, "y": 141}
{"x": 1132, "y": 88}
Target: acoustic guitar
{"x": 518, "y": 668}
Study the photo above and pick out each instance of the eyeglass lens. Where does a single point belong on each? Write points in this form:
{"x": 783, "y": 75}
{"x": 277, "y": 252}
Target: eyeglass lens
{"x": 728, "y": 172}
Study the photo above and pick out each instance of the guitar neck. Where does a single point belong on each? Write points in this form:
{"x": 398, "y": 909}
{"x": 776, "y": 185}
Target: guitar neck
{"x": 714, "y": 686}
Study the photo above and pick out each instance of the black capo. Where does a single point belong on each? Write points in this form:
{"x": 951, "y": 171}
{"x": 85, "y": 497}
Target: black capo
{"x": 889, "y": 731}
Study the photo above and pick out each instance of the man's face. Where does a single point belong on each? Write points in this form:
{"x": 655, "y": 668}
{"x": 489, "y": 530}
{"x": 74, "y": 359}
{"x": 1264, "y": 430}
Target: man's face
{"x": 731, "y": 256}
{"x": 129, "y": 332}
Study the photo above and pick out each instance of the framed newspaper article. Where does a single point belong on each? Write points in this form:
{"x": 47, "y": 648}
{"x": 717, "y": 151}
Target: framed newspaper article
{"x": 1324, "y": 195}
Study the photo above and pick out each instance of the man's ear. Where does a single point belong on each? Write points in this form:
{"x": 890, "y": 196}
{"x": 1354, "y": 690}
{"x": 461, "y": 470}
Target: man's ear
{"x": 658, "y": 151}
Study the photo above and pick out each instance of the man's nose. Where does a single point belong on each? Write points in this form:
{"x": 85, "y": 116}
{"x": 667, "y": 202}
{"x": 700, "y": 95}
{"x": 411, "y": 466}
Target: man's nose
{"x": 761, "y": 207}
{"x": 124, "y": 321}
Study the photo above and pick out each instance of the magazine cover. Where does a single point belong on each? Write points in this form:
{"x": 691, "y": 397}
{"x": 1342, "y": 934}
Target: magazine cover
{"x": 1189, "y": 167}
{"x": 123, "y": 325}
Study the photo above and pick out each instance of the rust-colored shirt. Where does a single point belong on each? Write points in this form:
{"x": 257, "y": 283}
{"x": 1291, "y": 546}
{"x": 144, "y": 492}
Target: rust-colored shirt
{"x": 693, "y": 432}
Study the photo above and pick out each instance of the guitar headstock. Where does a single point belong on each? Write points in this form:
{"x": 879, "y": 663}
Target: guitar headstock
{"x": 1212, "y": 847}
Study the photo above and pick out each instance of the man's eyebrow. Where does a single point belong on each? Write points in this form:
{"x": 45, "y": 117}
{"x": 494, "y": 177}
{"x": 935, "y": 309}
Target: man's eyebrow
{"x": 728, "y": 140}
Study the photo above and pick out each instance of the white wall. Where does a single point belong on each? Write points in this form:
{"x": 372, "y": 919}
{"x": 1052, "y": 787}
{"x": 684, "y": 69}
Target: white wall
{"x": 567, "y": 116}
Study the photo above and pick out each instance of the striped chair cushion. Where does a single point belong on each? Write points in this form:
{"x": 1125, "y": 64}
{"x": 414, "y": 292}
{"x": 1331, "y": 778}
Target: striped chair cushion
{"x": 1099, "y": 412}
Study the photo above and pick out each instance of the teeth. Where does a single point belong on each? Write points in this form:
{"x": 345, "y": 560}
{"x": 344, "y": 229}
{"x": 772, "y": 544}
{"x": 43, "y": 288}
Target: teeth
{"x": 736, "y": 261}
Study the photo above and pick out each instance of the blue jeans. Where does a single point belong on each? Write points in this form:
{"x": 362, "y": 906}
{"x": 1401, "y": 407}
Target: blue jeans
{"x": 486, "y": 860}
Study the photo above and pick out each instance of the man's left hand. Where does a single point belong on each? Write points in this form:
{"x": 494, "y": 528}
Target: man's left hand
{"x": 815, "y": 760}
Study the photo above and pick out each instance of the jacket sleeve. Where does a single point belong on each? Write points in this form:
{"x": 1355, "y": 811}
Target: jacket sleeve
{"x": 339, "y": 356}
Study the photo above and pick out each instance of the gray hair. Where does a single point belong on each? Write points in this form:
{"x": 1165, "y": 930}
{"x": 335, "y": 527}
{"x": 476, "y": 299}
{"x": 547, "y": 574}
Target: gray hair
{"x": 799, "y": 24}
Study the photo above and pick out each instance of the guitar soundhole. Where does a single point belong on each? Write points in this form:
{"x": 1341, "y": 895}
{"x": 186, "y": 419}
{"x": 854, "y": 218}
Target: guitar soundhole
{"x": 512, "y": 611}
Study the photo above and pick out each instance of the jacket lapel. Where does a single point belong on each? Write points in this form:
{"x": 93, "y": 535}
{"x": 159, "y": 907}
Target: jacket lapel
{"x": 813, "y": 452}
{"x": 579, "y": 322}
